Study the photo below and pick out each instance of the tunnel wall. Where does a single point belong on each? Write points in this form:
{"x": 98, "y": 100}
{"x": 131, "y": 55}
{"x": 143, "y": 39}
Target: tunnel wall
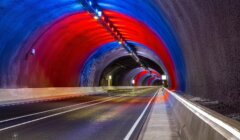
{"x": 64, "y": 35}
{"x": 206, "y": 33}
{"x": 209, "y": 33}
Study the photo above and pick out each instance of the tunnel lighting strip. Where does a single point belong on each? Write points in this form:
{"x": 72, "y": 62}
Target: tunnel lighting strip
{"x": 203, "y": 115}
{"x": 98, "y": 15}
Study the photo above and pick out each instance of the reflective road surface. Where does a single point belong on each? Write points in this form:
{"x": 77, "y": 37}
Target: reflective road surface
{"x": 116, "y": 115}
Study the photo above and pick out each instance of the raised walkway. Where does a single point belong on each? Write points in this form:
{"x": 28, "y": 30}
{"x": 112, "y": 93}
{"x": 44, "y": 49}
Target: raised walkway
{"x": 161, "y": 124}
{"x": 173, "y": 117}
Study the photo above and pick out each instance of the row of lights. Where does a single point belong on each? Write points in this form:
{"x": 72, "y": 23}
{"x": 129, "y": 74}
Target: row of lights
{"x": 103, "y": 20}
{"x": 98, "y": 15}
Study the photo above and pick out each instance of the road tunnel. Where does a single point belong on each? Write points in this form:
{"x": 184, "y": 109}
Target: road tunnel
{"x": 69, "y": 43}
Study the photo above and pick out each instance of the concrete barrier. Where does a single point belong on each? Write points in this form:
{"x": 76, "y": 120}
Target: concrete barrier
{"x": 196, "y": 122}
{"x": 26, "y": 94}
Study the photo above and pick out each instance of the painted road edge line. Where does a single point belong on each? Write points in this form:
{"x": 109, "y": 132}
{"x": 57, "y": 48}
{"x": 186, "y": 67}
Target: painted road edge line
{"x": 130, "y": 132}
{"x": 47, "y": 111}
{"x": 56, "y": 114}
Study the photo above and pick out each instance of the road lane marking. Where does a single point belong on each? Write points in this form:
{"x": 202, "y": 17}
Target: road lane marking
{"x": 47, "y": 111}
{"x": 56, "y": 114}
{"x": 129, "y": 134}
{"x": 60, "y": 113}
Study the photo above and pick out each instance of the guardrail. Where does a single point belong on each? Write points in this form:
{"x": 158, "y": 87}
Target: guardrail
{"x": 196, "y": 122}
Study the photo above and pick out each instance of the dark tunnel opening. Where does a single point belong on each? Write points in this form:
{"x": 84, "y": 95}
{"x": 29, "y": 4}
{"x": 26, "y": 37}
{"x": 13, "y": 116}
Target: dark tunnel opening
{"x": 118, "y": 69}
{"x": 157, "y": 82}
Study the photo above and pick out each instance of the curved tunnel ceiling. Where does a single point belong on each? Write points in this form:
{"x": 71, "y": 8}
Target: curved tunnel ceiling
{"x": 60, "y": 43}
{"x": 53, "y": 43}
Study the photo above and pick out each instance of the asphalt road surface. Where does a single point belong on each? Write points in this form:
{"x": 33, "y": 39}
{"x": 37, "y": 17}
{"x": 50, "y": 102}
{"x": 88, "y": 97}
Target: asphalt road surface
{"x": 113, "y": 116}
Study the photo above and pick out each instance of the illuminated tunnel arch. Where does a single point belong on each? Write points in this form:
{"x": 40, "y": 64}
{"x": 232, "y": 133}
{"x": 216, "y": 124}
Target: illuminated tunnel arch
{"x": 72, "y": 45}
{"x": 67, "y": 35}
{"x": 76, "y": 43}
{"x": 105, "y": 55}
{"x": 156, "y": 81}
{"x": 147, "y": 38}
{"x": 91, "y": 72}
{"x": 18, "y": 22}
{"x": 193, "y": 32}
{"x": 153, "y": 17}
{"x": 139, "y": 74}
{"x": 152, "y": 74}
{"x": 132, "y": 75}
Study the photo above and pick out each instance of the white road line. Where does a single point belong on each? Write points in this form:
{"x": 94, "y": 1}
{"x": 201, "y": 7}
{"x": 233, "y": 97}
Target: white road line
{"x": 56, "y": 114}
{"x": 47, "y": 111}
{"x": 200, "y": 113}
{"x": 129, "y": 134}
